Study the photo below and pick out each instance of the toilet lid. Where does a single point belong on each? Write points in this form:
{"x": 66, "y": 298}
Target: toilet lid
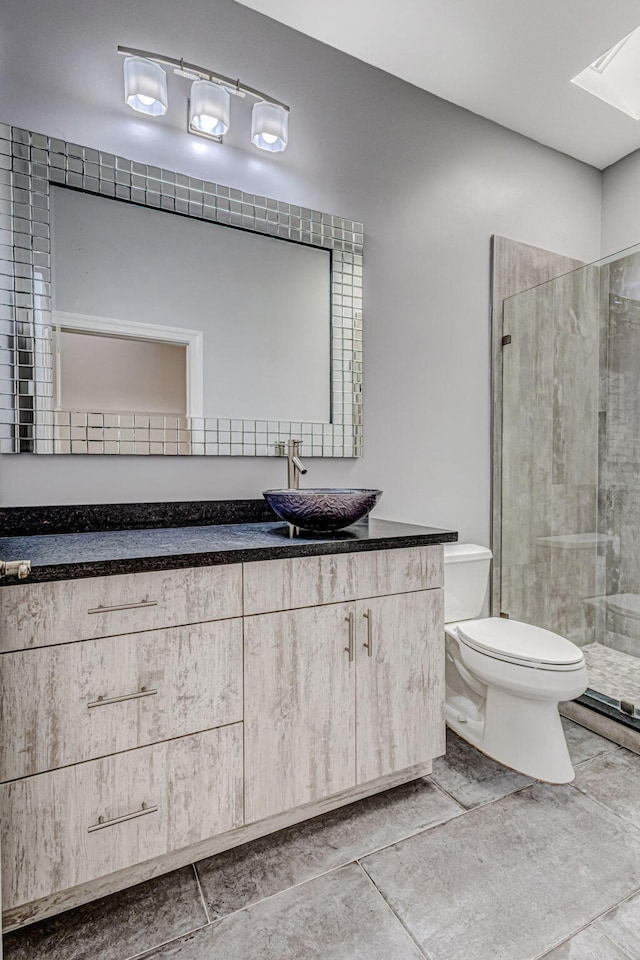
{"x": 514, "y": 640}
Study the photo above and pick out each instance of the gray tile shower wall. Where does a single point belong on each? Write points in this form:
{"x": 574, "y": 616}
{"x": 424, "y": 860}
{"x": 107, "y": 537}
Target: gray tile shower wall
{"x": 550, "y": 557}
{"x": 620, "y": 457}
{"x": 515, "y": 267}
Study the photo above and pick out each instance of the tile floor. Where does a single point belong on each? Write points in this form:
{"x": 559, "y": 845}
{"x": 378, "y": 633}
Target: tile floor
{"x": 613, "y": 672}
{"x": 473, "y": 863}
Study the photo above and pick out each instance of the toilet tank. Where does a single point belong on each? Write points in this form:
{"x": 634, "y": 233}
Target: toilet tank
{"x": 466, "y": 580}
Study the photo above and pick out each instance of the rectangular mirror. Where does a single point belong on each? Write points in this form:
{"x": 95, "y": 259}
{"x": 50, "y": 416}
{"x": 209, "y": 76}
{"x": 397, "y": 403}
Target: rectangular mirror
{"x": 129, "y": 329}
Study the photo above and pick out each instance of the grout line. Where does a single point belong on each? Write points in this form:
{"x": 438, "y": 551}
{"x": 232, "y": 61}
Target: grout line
{"x": 357, "y": 862}
{"x": 281, "y": 893}
{"x": 592, "y": 923}
{"x": 445, "y": 792}
{"x": 603, "y": 806}
{"x": 338, "y": 866}
{"x": 150, "y": 951}
{"x": 201, "y": 892}
{"x": 393, "y": 913}
{"x": 615, "y": 747}
{"x": 488, "y": 803}
{"x": 616, "y": 945}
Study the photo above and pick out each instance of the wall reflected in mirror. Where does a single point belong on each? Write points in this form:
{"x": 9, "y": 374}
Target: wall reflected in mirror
{"x": 163, "y": 314}
{"x": 116, "y": 374}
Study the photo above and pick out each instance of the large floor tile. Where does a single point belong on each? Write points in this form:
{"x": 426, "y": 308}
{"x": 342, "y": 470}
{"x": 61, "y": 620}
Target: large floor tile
{"x": 584, "y": 744}
{"x": 614, "y": 780}
{"x": 116, "y": 927}
{"x": 622, "y": 925}
{"x": 589, "y": 944}
{"x": 338, "y": 916}
{"x": 471, "y": 777}
{"x": 238, "y": 877}
{"x": 510, "y": 879}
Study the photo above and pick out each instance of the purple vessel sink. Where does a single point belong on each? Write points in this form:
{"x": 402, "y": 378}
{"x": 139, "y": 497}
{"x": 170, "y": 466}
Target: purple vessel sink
{"x": 322, "y": 510}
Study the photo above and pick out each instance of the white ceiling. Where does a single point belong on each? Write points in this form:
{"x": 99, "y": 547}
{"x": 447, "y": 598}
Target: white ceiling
{"x": 509, "y": 60}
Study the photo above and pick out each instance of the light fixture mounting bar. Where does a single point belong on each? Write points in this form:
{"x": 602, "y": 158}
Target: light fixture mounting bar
{"x": 201, "y": 72}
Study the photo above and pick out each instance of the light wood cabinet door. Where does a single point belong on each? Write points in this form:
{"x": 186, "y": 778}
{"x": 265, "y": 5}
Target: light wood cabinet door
{"x": 400, "y": 682}
{"x": 299, "y": 707}
{"x": 69, "y": 826}
{"x": 39, "y": 614}
{"x": 79, "y": 701}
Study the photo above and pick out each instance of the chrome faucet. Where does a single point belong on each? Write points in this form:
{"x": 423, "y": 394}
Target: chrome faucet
{"x": 294, "y": 464}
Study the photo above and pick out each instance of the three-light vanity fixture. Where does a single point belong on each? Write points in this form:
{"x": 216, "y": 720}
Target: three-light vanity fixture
{"x": 145, "y": 90}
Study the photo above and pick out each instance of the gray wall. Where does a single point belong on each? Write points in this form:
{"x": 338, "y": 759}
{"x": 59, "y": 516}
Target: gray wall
{"x": 621, "y": 204}
{"x": 430, "y": 181}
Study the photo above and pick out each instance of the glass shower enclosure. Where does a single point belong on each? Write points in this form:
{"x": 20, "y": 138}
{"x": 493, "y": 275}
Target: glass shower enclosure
{"x": 570, "y": 523}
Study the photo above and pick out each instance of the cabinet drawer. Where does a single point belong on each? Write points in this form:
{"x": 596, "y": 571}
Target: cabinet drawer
{"x": 39, "y": 614}
{"x": 53, "y": 836}
{"x": 308, "y": 581}
{"x": 70, "y": 703}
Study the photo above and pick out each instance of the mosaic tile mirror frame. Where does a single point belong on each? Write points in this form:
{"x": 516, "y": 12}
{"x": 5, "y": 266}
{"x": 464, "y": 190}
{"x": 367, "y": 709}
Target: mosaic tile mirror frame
{"x": 30, "y": 163}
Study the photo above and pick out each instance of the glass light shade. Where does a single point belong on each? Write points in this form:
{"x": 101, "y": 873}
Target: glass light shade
{"x": 269, "y": 126}
{"x": 209, "y": 108}
{"x": 145, "y": 86}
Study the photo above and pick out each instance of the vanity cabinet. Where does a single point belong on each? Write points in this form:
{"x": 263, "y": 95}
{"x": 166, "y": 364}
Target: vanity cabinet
{"x": 91, "y": 699}
{"x": 332, "y": 578}
{"x": 399, "y": 682}
{"x": 300, "y": 717}
{"x": 39, "y": 614}
{"x": 64, "y": 828}
{"x": 152, "y": 719}
{"x": 353, "y": 691}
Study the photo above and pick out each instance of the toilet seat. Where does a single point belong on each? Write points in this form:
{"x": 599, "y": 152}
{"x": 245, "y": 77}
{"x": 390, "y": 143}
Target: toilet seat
{"x": 520, "y": 643}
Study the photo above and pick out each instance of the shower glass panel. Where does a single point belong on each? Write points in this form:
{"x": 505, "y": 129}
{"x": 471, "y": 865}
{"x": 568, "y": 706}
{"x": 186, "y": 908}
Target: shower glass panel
{"x": 571, "y": 470}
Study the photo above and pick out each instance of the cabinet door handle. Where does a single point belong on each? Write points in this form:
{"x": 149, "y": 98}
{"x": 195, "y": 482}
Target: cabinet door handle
{"x": 102, "y": 823}
{"x": 351, "y": 648}
{"x": 369, "y": 643}
{"x": 105, "y": 701}
{"x": 124, "y": 606}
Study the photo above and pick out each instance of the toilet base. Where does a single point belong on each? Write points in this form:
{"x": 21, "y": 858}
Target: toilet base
{"x": 526, "y": 735}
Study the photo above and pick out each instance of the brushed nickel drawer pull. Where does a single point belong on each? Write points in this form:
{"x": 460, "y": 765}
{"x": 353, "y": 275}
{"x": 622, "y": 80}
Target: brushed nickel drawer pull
{"x": 102, "y": 823}
{"x": 125, "y": 606}
{"x": 105, "y": 701}
{"x": 350, "y": 649}
{"x": 369, "y": 643}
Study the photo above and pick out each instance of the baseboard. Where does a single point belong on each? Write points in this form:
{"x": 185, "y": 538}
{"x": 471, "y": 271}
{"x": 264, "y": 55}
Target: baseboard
{"x": 605, "y": 726}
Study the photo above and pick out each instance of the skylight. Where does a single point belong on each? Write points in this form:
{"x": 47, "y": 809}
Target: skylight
{"x": 615, "y": 76}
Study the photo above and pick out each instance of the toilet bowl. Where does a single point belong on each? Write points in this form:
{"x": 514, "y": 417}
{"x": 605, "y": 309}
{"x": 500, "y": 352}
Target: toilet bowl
{"x": 504, "y": 678}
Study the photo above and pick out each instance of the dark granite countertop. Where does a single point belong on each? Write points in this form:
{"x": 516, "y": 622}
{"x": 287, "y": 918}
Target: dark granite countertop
{"x": 93, "y": 553}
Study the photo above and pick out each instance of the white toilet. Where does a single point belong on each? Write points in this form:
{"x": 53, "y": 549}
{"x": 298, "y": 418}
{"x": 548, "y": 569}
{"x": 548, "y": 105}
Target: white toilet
{"x": 504, "y": 678}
